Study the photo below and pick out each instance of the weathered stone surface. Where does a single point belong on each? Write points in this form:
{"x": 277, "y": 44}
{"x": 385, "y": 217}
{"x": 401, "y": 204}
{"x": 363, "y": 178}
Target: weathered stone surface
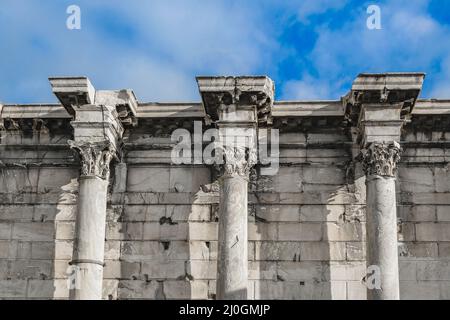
{"x": 148, "y": 179}
{"x": 322, "y": 251}
{"x": 34, "y": 231}
{"x": 303, "y": 229}
{"x": 300, "y": 231}
{"x": 277, "y": 251}
{"x": 432, "y": 232}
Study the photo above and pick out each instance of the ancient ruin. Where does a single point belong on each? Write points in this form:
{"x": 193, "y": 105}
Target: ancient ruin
{"x": 92, "y": 205}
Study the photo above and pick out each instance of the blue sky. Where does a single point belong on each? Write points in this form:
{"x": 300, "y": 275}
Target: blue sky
{"x": 312, "y": 49}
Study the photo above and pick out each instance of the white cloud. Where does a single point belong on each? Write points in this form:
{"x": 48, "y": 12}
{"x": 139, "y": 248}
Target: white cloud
{"x": 174, "y": 42}
{"x": 411, "y": 40}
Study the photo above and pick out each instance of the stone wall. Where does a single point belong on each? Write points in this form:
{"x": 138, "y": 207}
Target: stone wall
{"x": 306, "y": 226}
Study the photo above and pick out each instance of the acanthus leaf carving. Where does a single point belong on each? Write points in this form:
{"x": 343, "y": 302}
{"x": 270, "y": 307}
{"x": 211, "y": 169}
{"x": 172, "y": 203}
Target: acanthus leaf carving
{"x": 95, "y": 157}
{"x": 381, "y": 158}
{"x": 238, "y": 160}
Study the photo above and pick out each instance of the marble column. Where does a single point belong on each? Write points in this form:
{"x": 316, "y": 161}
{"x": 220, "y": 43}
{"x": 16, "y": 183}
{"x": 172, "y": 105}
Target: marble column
{"x": 380, "y": 165}
{"x": 232, "y": 266}
{"x": 87, "y": 263}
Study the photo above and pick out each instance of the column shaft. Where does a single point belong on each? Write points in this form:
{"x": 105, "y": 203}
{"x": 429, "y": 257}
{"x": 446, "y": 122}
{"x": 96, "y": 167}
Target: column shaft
{"x": 380, "y": 161}
{"x": 90, "y": 238}
{"x": 232, "y": 267}
{"x": 381, "y": 228}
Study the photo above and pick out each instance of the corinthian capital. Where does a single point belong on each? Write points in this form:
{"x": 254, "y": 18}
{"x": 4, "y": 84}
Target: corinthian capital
{"x": 95, "y": 157}
{"x": 238, "y": 161}
{"x": 381, "y": 158}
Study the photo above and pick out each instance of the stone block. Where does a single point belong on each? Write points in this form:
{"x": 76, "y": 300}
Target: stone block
{"x": 207, "y": 231}
{"x": 63, "y": 249}
{"x": 179, "y": 289}
{"x": 138, "y": 289}
{"x": 444, "y": 249}
{"x": 110, "y": 289}
{"x": 57, "y": 179}
{"x": 406, "y": 232}
{"x": 3, "y": 269}
{"x": 17, "y": 213}
{"x": 348, "y": 231}
{"x": 200, "y": 213}
{"x": 5, "y": 250}
{"x": 356, "y": 251}
{"x": 166, "y": 231}
{"x": 250, "y": 249}
{"x": 433, "y": 270}
{"x": 345, "y": 271}
{"x": 143, "y": 213}
{"x": 419, "y": 290}
{"x": 155, "y": 250}
{"x": 443, "y": 213}
{"x": 418, "y": 249}
{"x": 13, "y": 288}
{"x": 43, "y": 250}
{"x": 214, "y": 249}
{"x": 329, "y": 175}
{"x": 407, "y": 269}
{"x": 262, "y": 231}
{"x": 442, "y": 176}
{"x": 277, "y": 251}
{"x": 65, "y": 230}
{"x": 33, "y": 231}
{"x": 418, "y": 213}
{"x": 432, "y": 231}
{"x": 302, "y": 271}
{"x": 322, "y": 251}
{"x": 202, "y": 270}
{"x": 162, "y": 270}
{"x": 23, "y": 249}
{"x": 148, "y": 179}
{"x": 115, "y": 269}
{"x": 300, "y": 290}
{"x": 30, "y": 269}
{"x": 199, "y": 290}
{"x": 417, "y": 179}
{"x": 188, "y": 179}
{"x": 62, "y": 269}
{"x": 318, "y": 213}
{"x": 292, "y": 138}
{"x": 278, "y": 213}
{"x": 5, "y": 230}
{"x": 124, "y": 230}
{"x": 262, "y": 270}
{"x": 288, "y": 179}
{"x": 112, "y": 250}
{"x": 300, "y": 231}
{"x": 356, "y": 290}
{"x": 199, "y": 250}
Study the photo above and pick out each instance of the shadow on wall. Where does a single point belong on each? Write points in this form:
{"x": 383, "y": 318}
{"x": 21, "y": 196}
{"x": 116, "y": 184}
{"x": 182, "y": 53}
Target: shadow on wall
{"x": 36, "y": 221}
{"x": 307, "y": 229}
{"x": 156, "y": 246}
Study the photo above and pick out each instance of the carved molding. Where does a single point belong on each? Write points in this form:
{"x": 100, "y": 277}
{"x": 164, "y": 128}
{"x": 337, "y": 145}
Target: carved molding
{"x": 381, "y": 158}
{"x": 237, "y": 161}
{"x": 95, "y": 157}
